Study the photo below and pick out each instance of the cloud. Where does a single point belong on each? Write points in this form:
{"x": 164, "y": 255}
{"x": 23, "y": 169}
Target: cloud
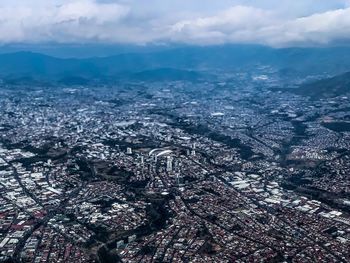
{"x": 242, "y": 24}
{"x": 204, "y": 22}
{"x": 238, "y": 20}
{"x": 70, "y": 21}
{"x": 323, "y": 28}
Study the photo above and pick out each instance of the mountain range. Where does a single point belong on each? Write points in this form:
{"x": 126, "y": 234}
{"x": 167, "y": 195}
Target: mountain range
{"x": 185, "y": 63}
{"x": 187, "y": 60}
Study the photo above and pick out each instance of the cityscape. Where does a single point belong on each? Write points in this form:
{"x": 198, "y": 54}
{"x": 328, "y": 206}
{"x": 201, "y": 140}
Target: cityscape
{"x": 174, "y": 172}
{"x": 174, "y": 131}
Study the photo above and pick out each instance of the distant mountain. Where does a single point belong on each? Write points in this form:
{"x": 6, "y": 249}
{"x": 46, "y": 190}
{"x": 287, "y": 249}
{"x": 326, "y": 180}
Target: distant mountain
{"x": 290, "y": 62}
{"x": 27, "y": 64}
{"x": 82, "y": 50}
{"x": 326, "y": 88}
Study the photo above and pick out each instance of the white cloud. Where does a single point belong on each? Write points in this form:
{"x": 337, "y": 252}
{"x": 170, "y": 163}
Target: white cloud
{"x": 243, "y": 24}
{"x": 321, "y": 28}
{"x": 187, "y": 21}
{"x": 238, "y": 20}
{"x": 69, "y": 21}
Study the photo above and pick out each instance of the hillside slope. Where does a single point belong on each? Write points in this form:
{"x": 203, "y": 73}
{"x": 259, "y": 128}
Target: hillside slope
{"x": 326, "y": 88}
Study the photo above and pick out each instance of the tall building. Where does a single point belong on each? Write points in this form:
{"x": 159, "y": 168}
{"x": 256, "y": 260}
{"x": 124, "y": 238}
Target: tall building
{"x": 179, "y": 179}
{"x": 80, "y": 129}
{"x": 128, "y": 150}
{"x": 169, "y": 164}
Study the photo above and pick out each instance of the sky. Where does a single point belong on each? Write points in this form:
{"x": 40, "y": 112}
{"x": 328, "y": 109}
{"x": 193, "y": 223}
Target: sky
{"x": 278, "y": 23}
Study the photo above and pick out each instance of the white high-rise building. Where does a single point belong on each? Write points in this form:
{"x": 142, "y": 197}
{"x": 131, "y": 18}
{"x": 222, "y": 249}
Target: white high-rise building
{"x": 169, "y": 164}
{"x": 128, "y": 150}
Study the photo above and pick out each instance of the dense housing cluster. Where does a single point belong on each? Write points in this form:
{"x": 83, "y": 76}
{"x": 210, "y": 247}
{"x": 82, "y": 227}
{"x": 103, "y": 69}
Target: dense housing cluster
{"x": 220, "y": 171}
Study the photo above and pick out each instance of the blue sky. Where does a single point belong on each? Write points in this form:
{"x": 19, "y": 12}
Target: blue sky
{"x": 201, "y": 22}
